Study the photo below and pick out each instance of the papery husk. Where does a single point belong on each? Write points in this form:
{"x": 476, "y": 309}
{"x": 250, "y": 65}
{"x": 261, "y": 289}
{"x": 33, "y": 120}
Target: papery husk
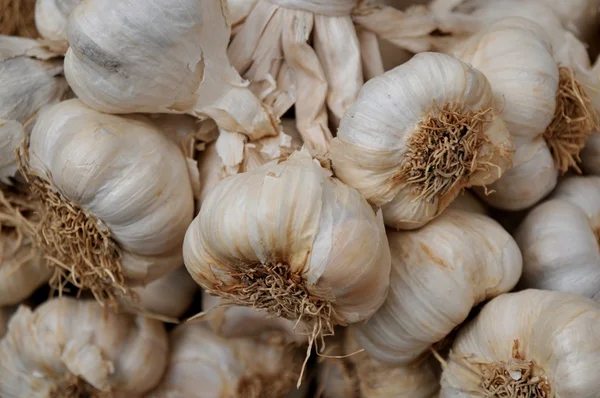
{"x": 51, "y": 18}
{"x": 17, "y": 18}
{"x": 67, "y": 346}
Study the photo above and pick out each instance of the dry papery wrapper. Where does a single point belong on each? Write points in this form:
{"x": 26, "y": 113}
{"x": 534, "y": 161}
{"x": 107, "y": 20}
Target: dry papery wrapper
{"x": 351, "y": 373}
{"x": 294, "y": 242}
{"x": 231, "y": 321}
{"x": 76, "y": 348}
{"x": 115, "y": 194}
{"x": 533, "y": 343}
{"x": 439, "y": 273}
{"x": 419, "y": 134}
{"x": 202, "y": 364}
{"x": 16, "y": 18}
{"x": 121, "y": 61}
{"x": 316, "y": 54}
{"x": 51, "y": 18}
{"x": 559, "y": 239}
{"x": 547, "y": 111}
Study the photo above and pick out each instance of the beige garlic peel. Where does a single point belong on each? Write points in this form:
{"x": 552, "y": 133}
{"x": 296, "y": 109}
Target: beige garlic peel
{"x": 202, "y": 364}
{"x": 419, "y": 134}
{"x": 439, "y": 273}
{"x": 121, "y": 61}
{"x": 533, "y": 343}
{"x": 559, "y": 239}
{"x": 69, "y": 347}
{"x": 309, "y": 248}
{"x": 119, "y": 179}
{"x": 51, "y": 18}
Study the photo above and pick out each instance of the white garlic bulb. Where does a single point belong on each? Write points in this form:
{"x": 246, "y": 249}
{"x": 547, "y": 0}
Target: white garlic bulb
{"x": 202, "y": 364}
{"x": 122, "y": 188}
{"x": 590, "y": 155}
{"x": 241, "y": 321}
{"x": 559, "y": 239}
{"x": 51, "y": 18}
{"x": 439, "y": 272}
{"x": 309, "y": 247}
{"x": 545, "y": 109}
{"x": 69, "y": 347}
{"x": 410, "y": 146}
{"x": 533, "y": 343}
{"x": 120, "y": 60}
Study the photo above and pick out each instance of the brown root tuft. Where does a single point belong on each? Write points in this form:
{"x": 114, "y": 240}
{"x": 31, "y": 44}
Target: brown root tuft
{"x": 17, "y": 17}
{"x": 515, "y": 378}
{"x": 75, "y": 387}
{"x": 75, "y": 245}
{"x": 574, "y": 121}
{"x": 443, "y": 154}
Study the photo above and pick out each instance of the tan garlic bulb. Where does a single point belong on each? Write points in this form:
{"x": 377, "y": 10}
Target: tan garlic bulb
{"x": 410, "y": 146}
{"x": 120, "y": 60}
{"x": 533, "y": 343}
{"x": 202, "y": 364}
{"x": 547, "y": 111}
{"x": 439, "y": 273}
{"x": 122, "y": 188}
{"x": 315, "y": 55}
{"x": 310, "y": 248}
{"x": 51, "y": 18}
{"x": 559, "y": 239}
{"x": 72, "y": 348}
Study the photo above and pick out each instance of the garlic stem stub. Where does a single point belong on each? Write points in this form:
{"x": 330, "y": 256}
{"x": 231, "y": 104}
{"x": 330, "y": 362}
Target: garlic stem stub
{"x": 439, "y": 273}
{"x": 202, "y": 364}
{"x": 294, "y": 242}
{"x": 410, "y": 147}
{"x": 559, "y": 239}
{"x": 74, "y": 348}
{"x": 121, "y": 61}
{"x": 116, "y": 198}
{"x": 533, "y": 343}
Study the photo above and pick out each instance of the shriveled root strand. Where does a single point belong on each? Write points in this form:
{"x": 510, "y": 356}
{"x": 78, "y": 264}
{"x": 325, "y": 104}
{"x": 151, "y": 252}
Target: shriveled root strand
{"x": 75, "y": 246}
{"x": 74, "y": 387}
{"x": 516, "y": 378}
{"x": 17, "y": 18}
{"x": 444, "y": 153}
{"x": 19, "y": 215}
{"x": 574, "y": 121}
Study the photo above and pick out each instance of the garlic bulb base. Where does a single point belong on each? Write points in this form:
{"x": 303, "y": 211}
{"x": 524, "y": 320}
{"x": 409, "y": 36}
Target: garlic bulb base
{"x": 74, "y": 387}
{"x": 574, "y": 121}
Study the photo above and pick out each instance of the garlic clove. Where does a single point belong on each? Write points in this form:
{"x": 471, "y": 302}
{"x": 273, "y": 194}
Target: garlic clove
{"x": 51, "y": 18}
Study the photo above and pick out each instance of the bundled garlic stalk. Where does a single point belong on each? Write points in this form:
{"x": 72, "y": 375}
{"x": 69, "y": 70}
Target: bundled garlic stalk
{"x": 293, "y": 242}
{"x": 272, "y": 48}
{"x": 202, "y": 364}
{"x": 121, "y": 61}
{"x": 439, "y": 273}
{"x": 75, "y": 348}
{"x": 51, "y": 18}
{"x": 546, "y": 109}
{"x": 419, "y": 134}
{"x": 116, "y": 198}
{"x": 559, "y": 239}
{"x": 533, "y": 343}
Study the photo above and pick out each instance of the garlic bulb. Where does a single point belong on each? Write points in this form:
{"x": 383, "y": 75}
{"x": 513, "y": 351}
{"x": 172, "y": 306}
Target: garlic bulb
{"x": 590, "y": 155}
{"x": 533, "y": 343}
{"x": 559, "y": 239}
{"x": 51, "y": 18}
{"x": 166, "y": 298}
{"x": 121, "y": 61}
{"x": 315, "y": 55}
{"x": 241, "y": 321}
{"x": 16, "y": 18}
{"x": 120, "y": 185}
{"x": 419, "y": 134}
{"x": 439, "y": 273}
{"x": 545, "y": 109}
{"x": 72, "y": 348}
{"x": 202, "y": 364}
{"x": 309, "y": 248}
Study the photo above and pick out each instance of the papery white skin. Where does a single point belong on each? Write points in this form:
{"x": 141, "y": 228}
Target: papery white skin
{"x": 558, "y": 331}
{"x": 294, "y": 212}
{"x": 439, "y": 273}
{"x": 51, "y": 18}
{"x": 123, "y": 354}
{"x": 590, "y": 155}
{"x": 371, "y": 142}
{"x": 240, "y": 321}
{"x": 123, "y": 61}
{"x": 144, "y": 198}
{"x": 202, "y": 364}
{"x": 559, "y": 239}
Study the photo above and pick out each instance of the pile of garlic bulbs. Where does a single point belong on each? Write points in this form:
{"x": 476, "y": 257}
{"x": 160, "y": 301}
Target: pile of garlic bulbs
{"x": 299, "y": 198}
